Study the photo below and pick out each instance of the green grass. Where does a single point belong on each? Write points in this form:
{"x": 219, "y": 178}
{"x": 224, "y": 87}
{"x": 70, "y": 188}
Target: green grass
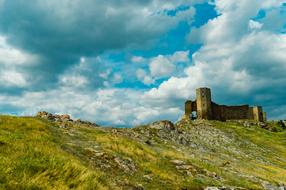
{"x": 272, "y": 148}
{"x": 37, "y": 154}
{"x": 31, "y": 158}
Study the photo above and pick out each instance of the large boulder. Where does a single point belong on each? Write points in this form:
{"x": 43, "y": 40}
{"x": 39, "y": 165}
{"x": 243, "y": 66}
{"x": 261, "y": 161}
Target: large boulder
{"x": 45, "y": 115}
{"x": 65, "y": 117}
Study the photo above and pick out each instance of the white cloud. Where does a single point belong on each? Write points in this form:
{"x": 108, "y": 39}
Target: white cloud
{"x": 12, "y": 78}
{"x": 77, "y": 81}
{"x": 180, "y": 56}
{"x": 117, "y": 78}
{"x": 161, "y": 66}
{"x": 104, "y": 106}
{"x": 13, "y": 63}
{"x": 254, "y": 25}
{"x": 137, "y": 59}
{"x": 233, "y": 22}
{"x": 90, "y": 72}
{"x": 142, "y": 75}
{"x": 12, "y": 56}
{"x": 105, "y": 74}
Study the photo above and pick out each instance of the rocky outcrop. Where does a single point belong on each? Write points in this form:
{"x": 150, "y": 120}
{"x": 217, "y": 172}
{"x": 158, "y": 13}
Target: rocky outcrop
{"x": 63, "y": 120}
{"x": 163, "y": 125}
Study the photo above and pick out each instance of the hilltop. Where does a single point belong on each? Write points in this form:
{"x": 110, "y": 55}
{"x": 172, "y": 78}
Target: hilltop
{"x": 56, "y": 152}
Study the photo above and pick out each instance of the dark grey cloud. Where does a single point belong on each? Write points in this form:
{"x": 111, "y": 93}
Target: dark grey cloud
{"x": 60, "y": 32}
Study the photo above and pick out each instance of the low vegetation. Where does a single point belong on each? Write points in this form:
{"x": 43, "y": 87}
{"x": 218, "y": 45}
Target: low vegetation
{"x": 36, "y": 153}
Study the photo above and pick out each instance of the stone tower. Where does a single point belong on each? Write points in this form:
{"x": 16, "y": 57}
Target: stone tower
{"x": 204, "y": 103}
{"x": 258, "y": 113}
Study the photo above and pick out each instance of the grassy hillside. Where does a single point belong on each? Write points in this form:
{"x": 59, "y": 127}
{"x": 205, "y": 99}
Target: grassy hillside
{"x": 38, "y": 154}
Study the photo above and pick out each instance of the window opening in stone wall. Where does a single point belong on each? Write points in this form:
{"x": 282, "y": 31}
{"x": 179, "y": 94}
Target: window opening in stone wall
{"x": 194, "y": 115}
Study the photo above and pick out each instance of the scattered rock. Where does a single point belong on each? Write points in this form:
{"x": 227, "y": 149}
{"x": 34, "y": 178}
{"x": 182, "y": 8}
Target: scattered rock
{"x": 282, "y": 187}
{"x": 126, "y": 164}
{"x": 184, "y": 167}
{"x": 224, "y": 188}
{"x": 211, "y": 188}
{"x": 210, "y": 174}
{"x": 190, "y": 174}
{"x": 177, "y": 162}
{"x": 65, "y": 117}
{"x": 63, "y": 126}
{"x": 138, "y": 187}
{"x": 246, "y": 124}
{"x": 266, "y": 185}
{"x": 45, "y": 115}
{"x": 148, "y": 177}
{"x": 163, "y": 125}
{"x": 99, "y": 154}
{"x": 188, "y": 169}
{"x": 114, "y": 131}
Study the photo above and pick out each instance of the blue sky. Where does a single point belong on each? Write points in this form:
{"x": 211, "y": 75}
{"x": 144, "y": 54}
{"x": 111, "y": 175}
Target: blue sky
{"x": 124, "y": 63}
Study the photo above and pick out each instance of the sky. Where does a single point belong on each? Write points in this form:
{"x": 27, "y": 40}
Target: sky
{"x": 131, "y": 62}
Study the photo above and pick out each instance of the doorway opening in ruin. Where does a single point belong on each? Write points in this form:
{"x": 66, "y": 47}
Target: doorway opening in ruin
{"x": 194, "y": 115}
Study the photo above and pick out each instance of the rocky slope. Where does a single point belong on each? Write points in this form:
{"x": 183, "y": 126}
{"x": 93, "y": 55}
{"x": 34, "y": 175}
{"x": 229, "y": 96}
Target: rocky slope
{"x": 56, "y": 152}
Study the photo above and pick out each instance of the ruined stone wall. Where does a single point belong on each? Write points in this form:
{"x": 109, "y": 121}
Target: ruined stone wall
{"x": 190, "y": 106}
{"x": 216, "y": 112}
{"x": 222, "y": 112}
{"x": 206, "y": 109}
{"x": 250, "y": 113}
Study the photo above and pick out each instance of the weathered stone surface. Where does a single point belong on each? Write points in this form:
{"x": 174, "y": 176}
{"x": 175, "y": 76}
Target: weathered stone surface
{"x": 65, "y": 117}
{"x": 205, "y": 108}
{"x": 177, "y": 162}
{"x": 63, "y": 120}
{"x": 163, "y": 125}
{"x": 46, "y": 115}
{"x": 148, "y": 177}
{"x": 211, "y": 188}
{"x": 126, "y": 164}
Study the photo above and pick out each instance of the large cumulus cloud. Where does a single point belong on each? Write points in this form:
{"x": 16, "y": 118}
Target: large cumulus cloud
{"x": 112, "y": 106}
{"x": 60, "y": 32}
{"x": 242, "y": 63}
{"x": 13, "y": 63}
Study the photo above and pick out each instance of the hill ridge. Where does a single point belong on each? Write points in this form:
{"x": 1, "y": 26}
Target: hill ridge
{"x": 39, "y": 153}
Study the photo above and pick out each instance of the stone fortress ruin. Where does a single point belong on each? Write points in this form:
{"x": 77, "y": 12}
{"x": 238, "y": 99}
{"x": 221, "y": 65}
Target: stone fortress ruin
{"x": 204, "y": 108}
